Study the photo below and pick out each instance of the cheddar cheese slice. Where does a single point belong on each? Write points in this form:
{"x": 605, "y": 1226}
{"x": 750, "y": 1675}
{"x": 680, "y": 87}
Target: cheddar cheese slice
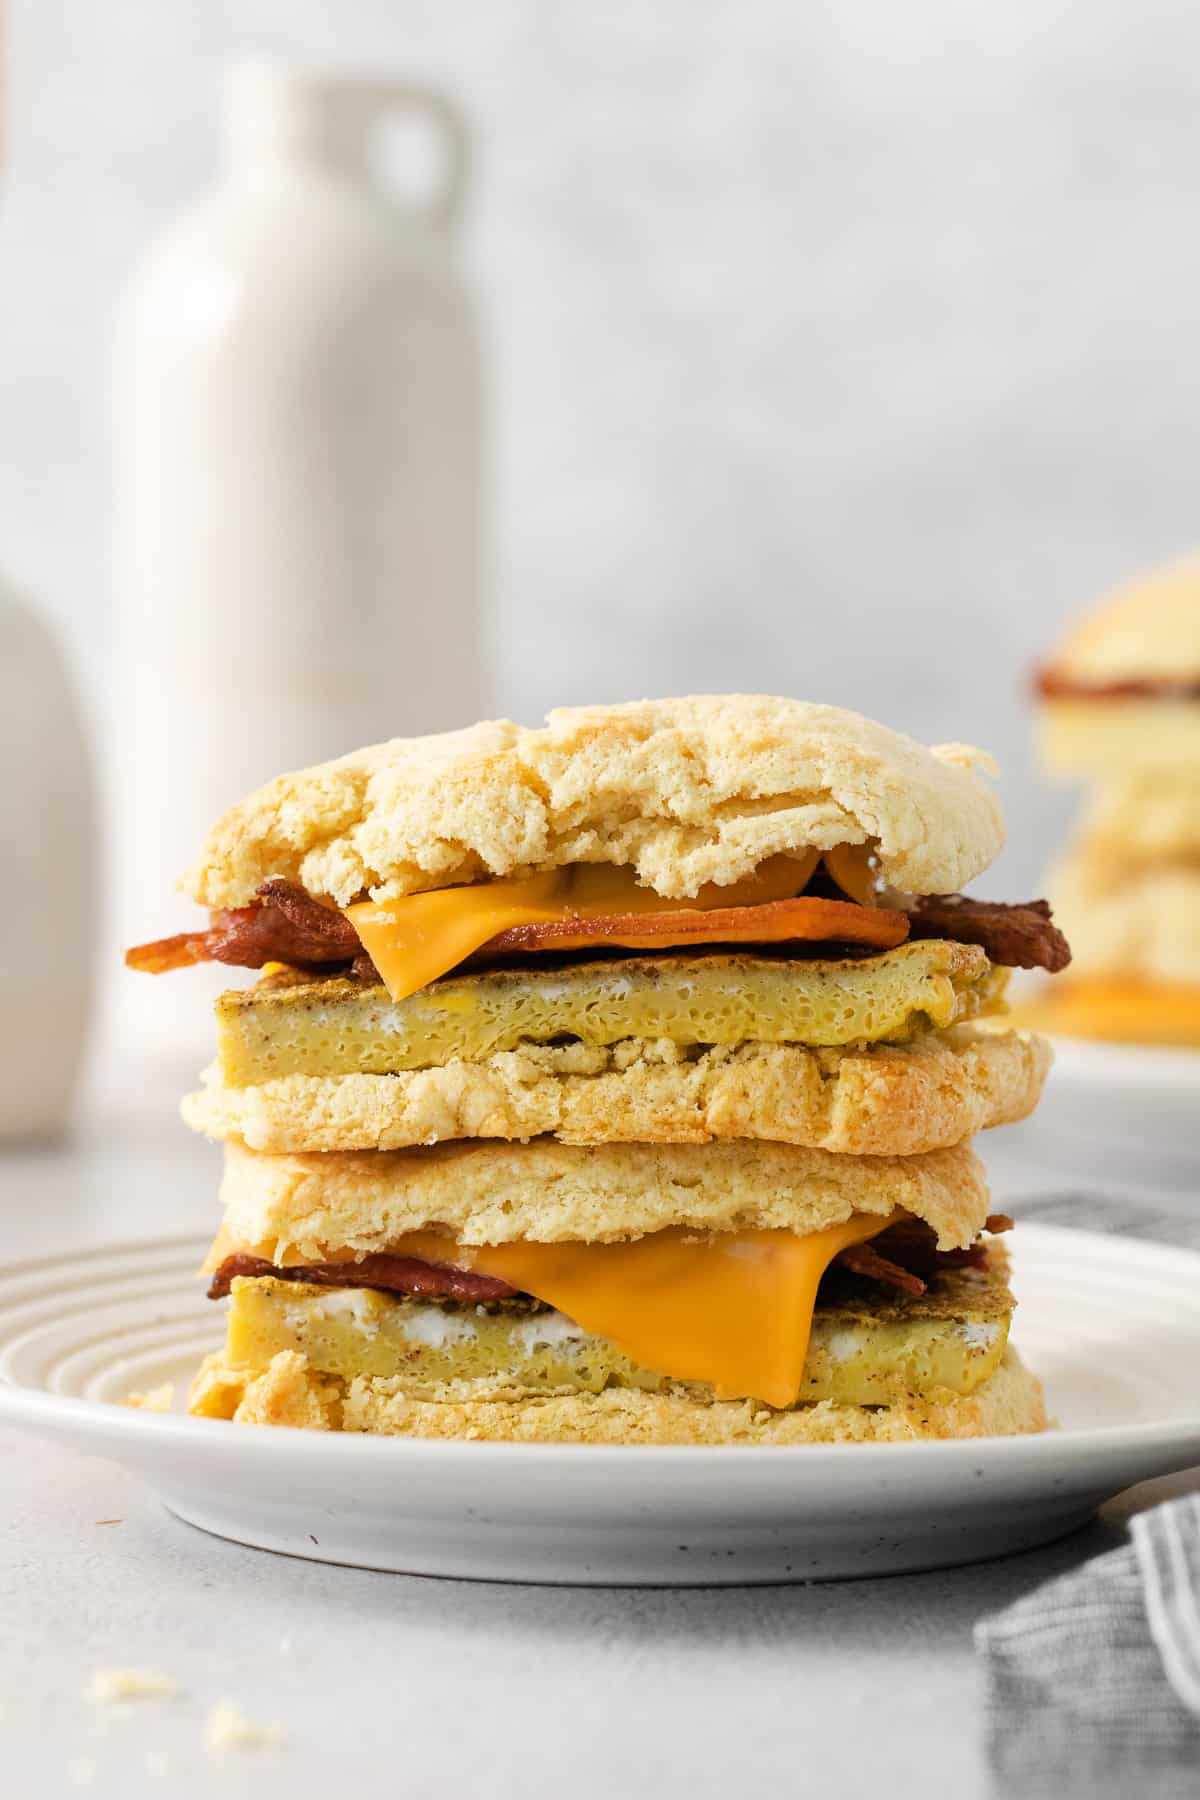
{"x": 414, "y": 940}
{"x": 733, "y": 1309}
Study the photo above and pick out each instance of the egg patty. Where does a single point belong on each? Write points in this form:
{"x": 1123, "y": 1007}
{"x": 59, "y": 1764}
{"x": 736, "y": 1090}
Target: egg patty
{"x": 868, "y": 1344}
{"x": 336, "y": 1026}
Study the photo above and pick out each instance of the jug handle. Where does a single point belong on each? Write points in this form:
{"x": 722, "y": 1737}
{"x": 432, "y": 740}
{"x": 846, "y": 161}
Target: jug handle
{"x": 445, "y": 202}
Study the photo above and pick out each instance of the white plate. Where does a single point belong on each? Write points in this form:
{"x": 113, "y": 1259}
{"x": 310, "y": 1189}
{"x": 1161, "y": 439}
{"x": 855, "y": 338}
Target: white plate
{"x": 1123, "y": 1112}
{"x": 1112, "y": 1325}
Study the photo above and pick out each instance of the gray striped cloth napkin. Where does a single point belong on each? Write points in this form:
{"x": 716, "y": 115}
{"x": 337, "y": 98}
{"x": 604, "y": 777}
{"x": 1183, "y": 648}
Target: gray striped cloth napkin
{"x": 1093, "y": 1681}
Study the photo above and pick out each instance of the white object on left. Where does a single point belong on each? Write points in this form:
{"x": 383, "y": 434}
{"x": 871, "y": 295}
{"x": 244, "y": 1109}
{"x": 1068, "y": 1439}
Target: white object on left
{"x": 47, "y": 877}
{"x": 298, "y": 501}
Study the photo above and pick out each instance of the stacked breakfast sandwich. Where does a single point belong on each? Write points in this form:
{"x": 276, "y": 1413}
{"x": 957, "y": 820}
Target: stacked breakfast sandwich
{"x": 1120, "y": 704}
{"x": 616, "y": 1081}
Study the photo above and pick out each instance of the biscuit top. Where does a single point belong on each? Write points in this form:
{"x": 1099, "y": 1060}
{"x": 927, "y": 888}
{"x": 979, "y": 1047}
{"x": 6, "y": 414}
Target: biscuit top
{"x": 686, "y": 791}
{"x": 1148, "y": 631}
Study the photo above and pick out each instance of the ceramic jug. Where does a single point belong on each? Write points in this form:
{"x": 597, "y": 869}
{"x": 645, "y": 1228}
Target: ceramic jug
{"x": 297, "y": 449}
{"x": 48, "y": 889}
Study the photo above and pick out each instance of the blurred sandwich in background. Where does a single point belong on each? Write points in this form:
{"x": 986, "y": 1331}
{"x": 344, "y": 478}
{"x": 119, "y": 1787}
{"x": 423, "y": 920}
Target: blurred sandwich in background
{"x": 1119, "y": 704}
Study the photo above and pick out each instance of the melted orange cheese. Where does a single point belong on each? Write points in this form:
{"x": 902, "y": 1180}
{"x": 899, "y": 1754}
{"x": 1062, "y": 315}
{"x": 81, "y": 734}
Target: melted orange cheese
{"x": 414, "y": 940}
{"x": 852, "y": 869}
{"x": 1122, "y": 1012}
{"x": 732, "y": 1308}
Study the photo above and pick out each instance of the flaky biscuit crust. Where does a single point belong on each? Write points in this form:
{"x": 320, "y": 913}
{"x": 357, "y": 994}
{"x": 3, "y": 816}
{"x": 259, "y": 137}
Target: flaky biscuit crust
{"x": 685, "y": 791}
{"x": 299, "y": 1208}
{"x": 877, "y": 1100}
{"x": 288, "y": 1392}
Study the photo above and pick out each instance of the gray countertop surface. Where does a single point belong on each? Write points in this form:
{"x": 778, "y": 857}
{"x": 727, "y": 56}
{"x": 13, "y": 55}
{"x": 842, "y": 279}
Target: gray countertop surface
{"x": 389, "y": 1684}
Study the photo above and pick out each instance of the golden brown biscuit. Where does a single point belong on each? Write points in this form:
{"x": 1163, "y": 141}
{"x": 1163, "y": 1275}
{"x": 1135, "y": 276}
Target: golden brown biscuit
{"x": 299, "y": 1208}
{"x": 879, "y": 1100}
{"x": 685, "y": 791}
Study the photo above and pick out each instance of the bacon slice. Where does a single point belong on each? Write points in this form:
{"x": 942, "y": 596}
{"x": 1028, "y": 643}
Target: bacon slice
{"x": 395, "y": 1274}
{"x": 286, "y": 925}
{"x": 308, "y": 918}
{"x": 861, "y": 1259}
{"x": 912, "y": 1255}
{"x": 911, "y": 1247}
{"x": 803, "y": 920}
{"x": 1018, "y": 937}
{"x": 179, "y": 952}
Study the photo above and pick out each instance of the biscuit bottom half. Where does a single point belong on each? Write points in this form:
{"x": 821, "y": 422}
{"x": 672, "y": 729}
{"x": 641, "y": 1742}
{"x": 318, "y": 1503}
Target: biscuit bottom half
{"x": 880, "y": 1366}
{"x": 878, "y": 1055}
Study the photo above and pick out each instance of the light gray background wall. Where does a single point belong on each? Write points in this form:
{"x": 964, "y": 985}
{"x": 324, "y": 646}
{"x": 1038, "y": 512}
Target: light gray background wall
{"x": 839, "y": 350}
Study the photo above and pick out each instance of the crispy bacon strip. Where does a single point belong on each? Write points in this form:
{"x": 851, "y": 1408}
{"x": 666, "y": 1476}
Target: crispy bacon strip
{"x": 911, "y": 1247}
{"x": 165, "y": 954}
{"x": 1019, "y": 937}
{"x": 395, "y": 1274}
{"x": 806, "y": 919}
{"x": 308, "y": 918}
{"x": 862, "y": 1259}
{"x": 913, "y": 1256}
{"x": 285, "y": 925}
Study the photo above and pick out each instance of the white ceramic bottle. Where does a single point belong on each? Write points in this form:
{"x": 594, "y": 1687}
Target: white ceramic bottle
{"x": 297, "y": 435}
{"x": 47, "y": 878}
